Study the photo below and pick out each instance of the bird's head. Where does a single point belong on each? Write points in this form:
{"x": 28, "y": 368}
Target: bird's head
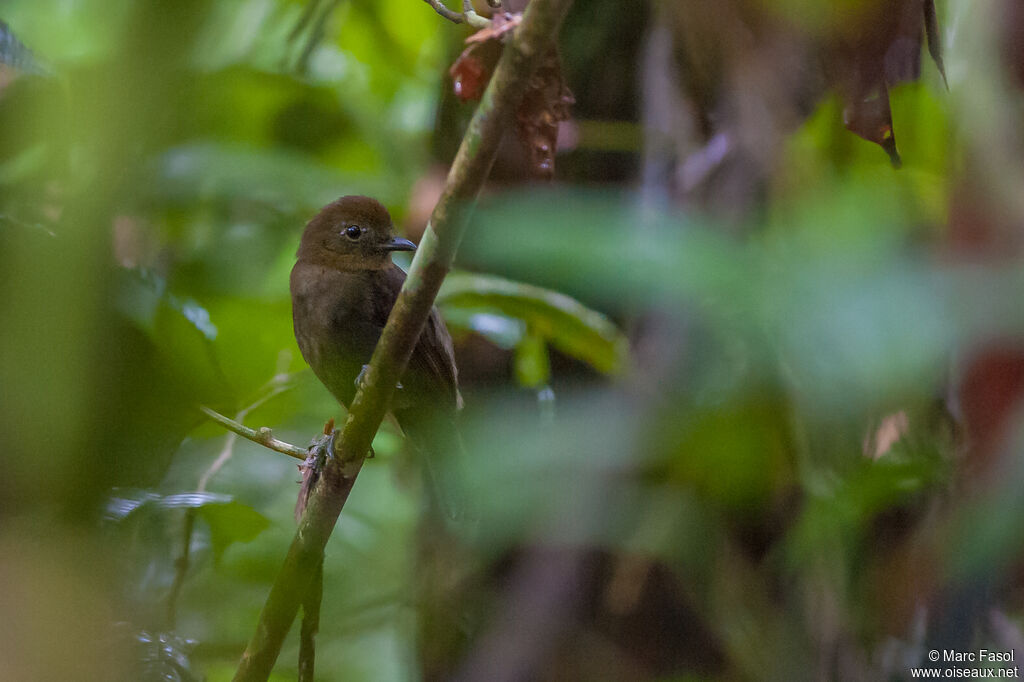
{"x": 352, "y": 233}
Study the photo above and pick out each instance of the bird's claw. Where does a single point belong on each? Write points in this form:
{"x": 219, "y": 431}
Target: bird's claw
{"x": 362, "y": 375}
{"x": 320, "y": 450}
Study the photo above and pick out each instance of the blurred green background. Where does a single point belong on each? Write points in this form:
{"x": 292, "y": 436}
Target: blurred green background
{"x": 742, "y": 398}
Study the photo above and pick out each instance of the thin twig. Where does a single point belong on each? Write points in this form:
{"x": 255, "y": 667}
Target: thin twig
{"x": 315, "y": 36}
{"x": 263, "y": 436}
{"x": 448, "y": 14}
{"x": 472, "y": 18}
{"x": 307, "y": 15}
{"x": 522, "y": 54}
{"x": 181, "y": 564}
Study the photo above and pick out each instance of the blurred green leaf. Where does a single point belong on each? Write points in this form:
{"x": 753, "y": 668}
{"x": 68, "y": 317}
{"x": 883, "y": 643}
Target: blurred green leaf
{"x": 159, "y": 656}
{"x": 255, "y": 343}
{"x": 231, "y": 521}
{"x": 287, "y": 181}
{"x": 556, "y": 318}
{"x": 180, "y": 329}
{"x": 126, "y": 502}
{"x": 503, "y": 331}
{"x": 533, "y": 367}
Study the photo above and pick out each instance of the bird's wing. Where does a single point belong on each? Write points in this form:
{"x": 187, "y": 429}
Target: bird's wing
{"x": 433, "y": 359}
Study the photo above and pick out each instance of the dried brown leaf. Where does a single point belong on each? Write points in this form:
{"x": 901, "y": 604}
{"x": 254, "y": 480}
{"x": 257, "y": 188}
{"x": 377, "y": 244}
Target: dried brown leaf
{"x": 545, "y": 104}
{"x": 871, "y": 118}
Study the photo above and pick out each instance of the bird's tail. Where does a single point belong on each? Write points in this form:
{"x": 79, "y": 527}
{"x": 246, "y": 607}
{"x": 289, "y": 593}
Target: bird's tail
{"x": 436, "y": 438}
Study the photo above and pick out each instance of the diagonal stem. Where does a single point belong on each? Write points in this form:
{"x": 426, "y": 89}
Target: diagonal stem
{"x": 433, "y": 259}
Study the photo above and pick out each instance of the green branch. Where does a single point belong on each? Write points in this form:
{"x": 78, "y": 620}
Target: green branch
{"x": 533, "y": 38}
{"x": 263, "y": 436}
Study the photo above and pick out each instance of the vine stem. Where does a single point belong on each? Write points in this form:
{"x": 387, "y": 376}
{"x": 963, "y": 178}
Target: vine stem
{"x": 522, "y": 54}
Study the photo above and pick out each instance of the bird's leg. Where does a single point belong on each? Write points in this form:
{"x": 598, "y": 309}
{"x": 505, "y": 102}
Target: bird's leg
{"x": 320, "y": 450}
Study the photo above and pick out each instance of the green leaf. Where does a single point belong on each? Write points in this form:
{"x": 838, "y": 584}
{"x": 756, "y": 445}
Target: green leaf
{"x": 562, "y": 321}
{"x": 180, "y": 329}
{"x": 503, "y": 331}
{"x": 288, "y": 181}
{"x": 229, "y": 520}
{"x": 533, "y": 367}
{"x": 256, "y": 341}
{"x": 128, "y": 501}
{"x": 232, "y": 522}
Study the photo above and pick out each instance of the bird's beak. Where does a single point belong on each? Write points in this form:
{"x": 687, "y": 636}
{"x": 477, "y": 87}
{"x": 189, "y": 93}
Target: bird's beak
{"x": 399, "y": 244}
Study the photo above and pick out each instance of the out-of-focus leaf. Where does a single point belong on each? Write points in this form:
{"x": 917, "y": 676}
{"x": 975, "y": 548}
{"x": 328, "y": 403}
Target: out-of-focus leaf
{"x": 13, "y": 53}
{"x": 735, "y": 455}
{"x": 127, "y": 501}
{"x": 229, "y": 520}
{"x": 533, "y": 367}
{"x": 159, "y": 656}
{"x": 255, "y": 341}
{"x": 232, "y": 521}
{"x": 186, "y": 348}
{"x": 501, "y": 330}
{"x": 180, "y": 328}
{"x": 531, "y": 466}
{"x": 610, "y": 248}
{"x": 562, "y": 321}
{"x": 289, "y": 182}
{"x": 472, "y": 70}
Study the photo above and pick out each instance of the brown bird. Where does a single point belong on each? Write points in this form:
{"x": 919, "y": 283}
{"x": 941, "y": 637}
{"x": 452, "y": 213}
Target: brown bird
{"x": 343, "y": 288}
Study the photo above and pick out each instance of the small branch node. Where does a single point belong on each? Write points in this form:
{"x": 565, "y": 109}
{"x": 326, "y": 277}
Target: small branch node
{"x": 472, "y": 18}
{"x": 448, "y": 14}
{"x": 264, "y": 436}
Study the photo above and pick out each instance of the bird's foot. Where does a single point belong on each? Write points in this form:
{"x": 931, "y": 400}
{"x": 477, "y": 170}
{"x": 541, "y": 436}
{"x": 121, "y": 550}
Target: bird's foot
{"x": 320, "y": 450}
{"x": 362, "y": 375}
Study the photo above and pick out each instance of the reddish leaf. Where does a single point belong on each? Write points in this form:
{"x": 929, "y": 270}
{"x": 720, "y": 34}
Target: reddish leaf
{"x": 472, "y": 70}
{"x": 990, "y": 394}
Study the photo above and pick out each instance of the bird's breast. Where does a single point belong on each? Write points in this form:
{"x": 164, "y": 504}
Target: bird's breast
{"x": 334, "y": 326}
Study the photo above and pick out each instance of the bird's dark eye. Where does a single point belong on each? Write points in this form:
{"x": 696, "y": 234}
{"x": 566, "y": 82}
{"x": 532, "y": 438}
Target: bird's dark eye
{"x": 353, "y": 232}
